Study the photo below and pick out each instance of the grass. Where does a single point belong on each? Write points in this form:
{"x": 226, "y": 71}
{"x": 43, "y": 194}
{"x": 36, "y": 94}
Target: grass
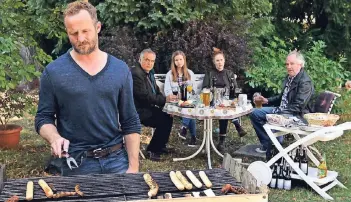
{"x": 33, "y": 153}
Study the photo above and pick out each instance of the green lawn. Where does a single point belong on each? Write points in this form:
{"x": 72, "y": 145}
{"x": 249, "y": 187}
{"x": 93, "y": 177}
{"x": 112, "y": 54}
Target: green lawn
{"x": 29, "y": 160}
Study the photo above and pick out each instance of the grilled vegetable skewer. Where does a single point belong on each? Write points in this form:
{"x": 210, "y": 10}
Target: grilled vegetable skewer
{"x": 30, "y": 190}
{"x": 184, "y": 181}
{"x": 193, "y": 179}
{"x": 176, "y": 181}
{"x": 46, "y": 188}
{"x": 205, "y": 179}
{"x": 152, "y": 184}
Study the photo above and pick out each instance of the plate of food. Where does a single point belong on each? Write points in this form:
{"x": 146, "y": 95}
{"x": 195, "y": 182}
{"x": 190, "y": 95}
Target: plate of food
{"x": 186, "y": 104}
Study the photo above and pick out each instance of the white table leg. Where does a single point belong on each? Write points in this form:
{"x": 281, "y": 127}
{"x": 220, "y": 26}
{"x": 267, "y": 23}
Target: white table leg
{"x": 207, "y": 142}
{"x": 283, "y": 153}
{"x": 200, "y": 148}
{"x": 208, "y": 148}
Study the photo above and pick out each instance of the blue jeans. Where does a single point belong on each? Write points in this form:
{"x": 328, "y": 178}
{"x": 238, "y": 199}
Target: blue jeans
{"x": 116, "y": 162}
{"x": 191, "y": 125}
{"x": 258, "y": 119}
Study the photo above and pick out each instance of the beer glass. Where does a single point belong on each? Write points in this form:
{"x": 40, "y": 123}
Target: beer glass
{"x": 206, "y": 96}
{"x": 258, "y": 102}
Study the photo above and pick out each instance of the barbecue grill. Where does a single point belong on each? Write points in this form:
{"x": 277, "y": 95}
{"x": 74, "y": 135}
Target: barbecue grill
{"x": 114, "y": 187}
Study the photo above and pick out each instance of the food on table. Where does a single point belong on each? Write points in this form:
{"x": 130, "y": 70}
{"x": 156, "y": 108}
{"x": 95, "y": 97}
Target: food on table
{"x": 184, "y": 181}
{"x": 63, "y": 194}
{"x": 176, "y": 181}
{"x": 30, "y": 190}
{"x": 168, "y": 195}
{"x": 193, "y": 179}
{"x": 13, "y": 199}
{"x": 205, "y": 179}
{"x": 226, "y": 188}
{"x": 160, "y": 197}
{"x": 77, "y": 189}
{"x": 152, "y": 184}
{"x": 182, "y": 103}
{"x": 46, "y": 188}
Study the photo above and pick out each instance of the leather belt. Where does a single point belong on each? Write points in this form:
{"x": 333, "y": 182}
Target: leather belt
{"x": 99, "y": 153}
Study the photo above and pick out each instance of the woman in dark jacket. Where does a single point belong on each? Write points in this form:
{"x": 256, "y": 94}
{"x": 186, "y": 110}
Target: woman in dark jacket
{"x": 223, "y": 79}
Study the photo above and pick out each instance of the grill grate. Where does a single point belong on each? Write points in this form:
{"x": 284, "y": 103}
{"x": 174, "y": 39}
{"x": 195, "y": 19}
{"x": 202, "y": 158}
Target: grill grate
{"x": 112, "y": 187}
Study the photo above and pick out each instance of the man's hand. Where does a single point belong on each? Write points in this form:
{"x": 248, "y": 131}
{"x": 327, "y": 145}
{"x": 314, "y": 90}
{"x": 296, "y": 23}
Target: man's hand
{"x": 58, "y": 145}
{"x": 171, "y": 98}
{"x": 261, "y": 98}
{"x": 348, "y": 85}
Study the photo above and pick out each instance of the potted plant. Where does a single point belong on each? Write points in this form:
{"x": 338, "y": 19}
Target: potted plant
{"x": 12, "y": 104}
{"x": 20, "y": 62}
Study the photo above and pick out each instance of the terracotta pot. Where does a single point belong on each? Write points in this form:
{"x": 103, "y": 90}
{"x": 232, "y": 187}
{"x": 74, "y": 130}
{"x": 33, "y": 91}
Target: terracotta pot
{"x": 9, "y": 137}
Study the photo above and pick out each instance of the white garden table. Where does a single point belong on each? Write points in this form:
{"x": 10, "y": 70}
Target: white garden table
{"x": 306, "y": 138}
{"x": 207, "y": 114}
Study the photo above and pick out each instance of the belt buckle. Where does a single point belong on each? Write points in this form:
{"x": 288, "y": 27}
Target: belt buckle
{"x": 97, "y": 153}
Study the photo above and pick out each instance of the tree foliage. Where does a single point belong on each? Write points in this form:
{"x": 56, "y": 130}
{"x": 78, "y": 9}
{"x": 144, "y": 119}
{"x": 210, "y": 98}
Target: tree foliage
{"x": 305, "y": 21}
{"x": 161, "y": 14}
{"x": 196, "y": 39}
{"x": 17, "y": 34}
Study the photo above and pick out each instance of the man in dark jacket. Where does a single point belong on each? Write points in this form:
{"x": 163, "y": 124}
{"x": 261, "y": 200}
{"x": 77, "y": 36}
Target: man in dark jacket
{"x": 297, "y": 91}
{"x": 149, "y": 102}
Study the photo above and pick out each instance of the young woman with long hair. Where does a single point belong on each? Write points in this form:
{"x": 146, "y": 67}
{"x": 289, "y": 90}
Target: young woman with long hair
{"x": 178, "y": 75}
{"x": 223, "y": 80}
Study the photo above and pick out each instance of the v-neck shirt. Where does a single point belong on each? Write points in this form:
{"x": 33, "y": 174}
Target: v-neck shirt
{"x": 88, "y": 108}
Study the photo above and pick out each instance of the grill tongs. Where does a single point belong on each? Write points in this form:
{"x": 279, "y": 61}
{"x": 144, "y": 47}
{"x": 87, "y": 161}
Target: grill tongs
{"x": 69, "y": 160}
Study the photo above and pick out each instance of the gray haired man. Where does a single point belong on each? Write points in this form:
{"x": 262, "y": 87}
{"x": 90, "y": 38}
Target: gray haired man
{"x": 296, "y": 94}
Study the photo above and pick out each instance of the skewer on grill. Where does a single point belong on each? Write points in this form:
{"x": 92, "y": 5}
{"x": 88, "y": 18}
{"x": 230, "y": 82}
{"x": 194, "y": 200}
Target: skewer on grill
{"x": 152, "y": 184}
{"x": 29, "y": 191}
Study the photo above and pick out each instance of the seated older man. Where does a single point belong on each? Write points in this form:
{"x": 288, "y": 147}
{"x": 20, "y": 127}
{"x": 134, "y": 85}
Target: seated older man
{"x": 297, "y": 91}
{"x": 149, "y": 102}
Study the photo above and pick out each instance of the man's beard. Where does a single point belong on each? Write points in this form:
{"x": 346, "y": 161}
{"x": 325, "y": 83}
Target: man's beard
{"x": 83, "y": 51}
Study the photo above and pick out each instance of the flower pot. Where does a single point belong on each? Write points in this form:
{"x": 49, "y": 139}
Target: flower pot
{"x": 9, "y": 137}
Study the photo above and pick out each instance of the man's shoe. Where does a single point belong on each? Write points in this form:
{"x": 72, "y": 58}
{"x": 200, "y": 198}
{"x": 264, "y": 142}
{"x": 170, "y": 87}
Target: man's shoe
{"x": 154, "y": 156}
{"x": 192, "y": 142}
{"x": 182, "y": 133}
{"x": 261, "y": 150}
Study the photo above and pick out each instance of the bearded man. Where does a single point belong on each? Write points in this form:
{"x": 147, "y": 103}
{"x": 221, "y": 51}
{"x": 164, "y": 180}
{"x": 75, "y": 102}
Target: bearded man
{"x": 86, "y": 105}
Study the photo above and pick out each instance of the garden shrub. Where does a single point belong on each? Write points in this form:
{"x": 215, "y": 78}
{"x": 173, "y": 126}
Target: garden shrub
{"x": 196, "y": 39}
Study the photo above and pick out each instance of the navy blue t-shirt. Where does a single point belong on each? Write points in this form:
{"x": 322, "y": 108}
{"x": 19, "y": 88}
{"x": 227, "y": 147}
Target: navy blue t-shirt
{"x": 88, "y": 109}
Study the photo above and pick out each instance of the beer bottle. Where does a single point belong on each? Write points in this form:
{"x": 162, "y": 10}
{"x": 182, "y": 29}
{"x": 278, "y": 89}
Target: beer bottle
{"x": 183, "y": 93}
{"x": 297, "y": 159}
{"x": 287, "y": 180}
{"x": 273, "y": 183}
{"x": 231, "y": 89}
{"x": 280, "y": 183}
{"x": 213, "y": 90}
{"x": 304, "y": 162}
